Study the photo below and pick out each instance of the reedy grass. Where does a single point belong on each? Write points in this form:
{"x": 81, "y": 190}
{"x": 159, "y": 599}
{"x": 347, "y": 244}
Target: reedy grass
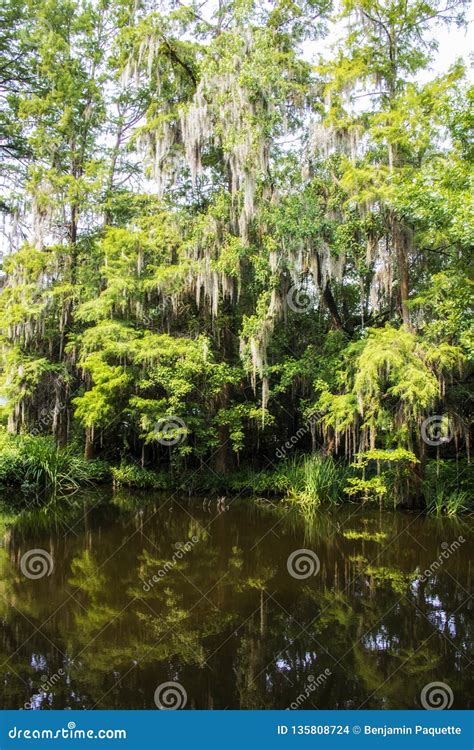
{"x": 40, "y": 466}
{"x": 316, "y": 480}
{"x": 448, "y": 503}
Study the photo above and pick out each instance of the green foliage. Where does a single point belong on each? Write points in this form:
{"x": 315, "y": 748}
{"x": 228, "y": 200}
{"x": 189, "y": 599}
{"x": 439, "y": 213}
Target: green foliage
{"x": 131, "y": 475}
{"x": 448, "y": 299}
{"x": 389, "y": 381}
{"x": 448, "y": 503}
{"x": 394, "y": 468}
{"x": 395, "y": 456}
{"x": 367, "y": 490}
{"x": 449, "y": 488}
{"x": 208, "y": 230}
{"x": 36, "y": 463}
{"x": 315, "y": 480}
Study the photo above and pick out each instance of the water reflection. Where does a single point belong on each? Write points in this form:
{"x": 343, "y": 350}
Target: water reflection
{"x": 201, "y": 595}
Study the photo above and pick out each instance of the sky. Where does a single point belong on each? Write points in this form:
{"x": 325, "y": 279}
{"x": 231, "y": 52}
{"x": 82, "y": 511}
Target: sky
{"x": 452, "y": 44}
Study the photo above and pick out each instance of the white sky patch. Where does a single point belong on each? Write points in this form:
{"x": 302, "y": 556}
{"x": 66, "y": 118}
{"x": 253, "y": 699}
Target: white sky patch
{"x": 453, "y": 44}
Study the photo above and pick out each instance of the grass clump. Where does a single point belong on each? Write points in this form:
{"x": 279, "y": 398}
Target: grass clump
{"x": 134, "y": 476}
{"x": 449, "y": 488}
{"x": 38, "y": 465}
{"x": 448, "y": 503}
{"x": 315, "y": 480}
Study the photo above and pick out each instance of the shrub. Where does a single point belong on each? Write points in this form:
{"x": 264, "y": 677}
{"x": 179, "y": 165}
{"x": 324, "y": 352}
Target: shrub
{"x": 131, "y": 475}
{"x": 391, "y": 480}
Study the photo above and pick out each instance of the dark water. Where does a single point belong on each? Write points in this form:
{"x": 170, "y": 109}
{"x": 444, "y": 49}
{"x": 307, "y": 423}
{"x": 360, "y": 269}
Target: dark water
{"x": 225, "y": 618}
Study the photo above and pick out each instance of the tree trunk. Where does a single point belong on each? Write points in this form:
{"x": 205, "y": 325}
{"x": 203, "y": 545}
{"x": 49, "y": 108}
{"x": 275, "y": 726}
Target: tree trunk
{"x": 89, "y": 446}
{"x": 327, "y": 296}
{"x": 416, "y": 499}
{"x": 401, "y": 238}
{"x": 224, "y": 459}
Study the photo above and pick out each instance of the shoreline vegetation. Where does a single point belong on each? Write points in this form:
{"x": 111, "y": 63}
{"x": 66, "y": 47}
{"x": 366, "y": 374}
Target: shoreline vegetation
{"x": 235, "y": 259}
{"x": 38, "y": 471}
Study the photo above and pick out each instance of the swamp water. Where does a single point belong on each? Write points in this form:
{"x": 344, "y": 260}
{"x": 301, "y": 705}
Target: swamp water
{"x": 241, "y": 604}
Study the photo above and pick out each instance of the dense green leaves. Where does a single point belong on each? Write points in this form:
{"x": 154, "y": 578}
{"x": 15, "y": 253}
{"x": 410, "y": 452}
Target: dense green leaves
{"x": 207, "y": 229}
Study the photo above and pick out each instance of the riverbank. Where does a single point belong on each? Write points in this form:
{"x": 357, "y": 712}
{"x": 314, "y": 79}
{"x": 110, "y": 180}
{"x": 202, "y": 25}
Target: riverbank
{"x": 36, "y": 467}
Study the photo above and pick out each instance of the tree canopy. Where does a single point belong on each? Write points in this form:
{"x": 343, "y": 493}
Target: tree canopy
{"x": 213, "y": 237}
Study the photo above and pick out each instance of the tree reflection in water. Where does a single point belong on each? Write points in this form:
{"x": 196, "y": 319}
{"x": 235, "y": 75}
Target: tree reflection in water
{"x": 225, "y": 618}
